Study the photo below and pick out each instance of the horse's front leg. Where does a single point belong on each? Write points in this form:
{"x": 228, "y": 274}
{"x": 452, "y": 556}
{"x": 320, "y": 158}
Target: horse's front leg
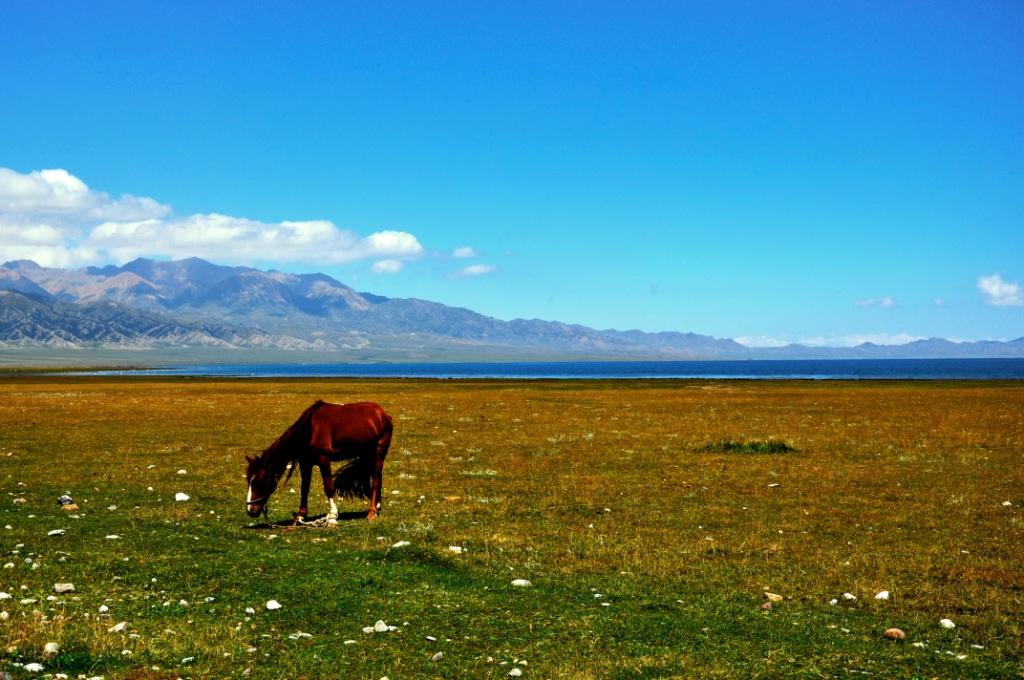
{"x": 306, "y": 470}
{"x": 325, "y": 472}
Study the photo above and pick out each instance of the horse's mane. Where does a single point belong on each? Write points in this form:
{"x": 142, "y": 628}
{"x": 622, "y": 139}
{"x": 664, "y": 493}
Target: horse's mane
{"x": 297, "y": 429}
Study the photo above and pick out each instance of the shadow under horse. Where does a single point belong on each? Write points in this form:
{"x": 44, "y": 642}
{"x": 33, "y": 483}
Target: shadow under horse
{"x": 358, "y": 435}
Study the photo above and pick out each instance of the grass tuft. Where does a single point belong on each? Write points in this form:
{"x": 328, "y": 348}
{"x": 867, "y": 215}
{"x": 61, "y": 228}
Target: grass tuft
{"x": 753, "y": 446}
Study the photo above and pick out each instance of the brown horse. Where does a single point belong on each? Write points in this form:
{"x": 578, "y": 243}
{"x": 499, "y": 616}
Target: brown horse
{"x": 358, "y": 434}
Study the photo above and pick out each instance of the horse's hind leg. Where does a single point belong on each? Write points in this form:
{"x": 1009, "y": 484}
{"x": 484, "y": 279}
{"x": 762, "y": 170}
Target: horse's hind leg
{"x": 377, "y": 478}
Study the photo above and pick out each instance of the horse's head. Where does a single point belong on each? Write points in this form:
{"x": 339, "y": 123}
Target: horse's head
{"x": 262, "y": 481}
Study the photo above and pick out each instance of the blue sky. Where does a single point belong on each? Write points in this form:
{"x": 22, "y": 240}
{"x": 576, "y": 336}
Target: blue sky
{"x": 821, "y": 172}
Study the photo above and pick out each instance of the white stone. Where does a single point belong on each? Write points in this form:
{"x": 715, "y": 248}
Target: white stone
{"x": 437, "y": 657}
{"x": 118, "y": 628}
{"x": 183, "y": 471}
{"x": 33, "y": 667}
{"x": 57, "y": 532}
{"x": 400, "y": 544}
{"x": 181, "y": 496}
{"x": 273, "y": 604}
{"x": 5, "y": 596}
{"x": 1007, "y": 504}
{"x": 51, "y": 649}
{"x": 849, "y": 597}
{"x": 946, "y": 623}
{"x": 104, "y": 609}
{"x": 882, "y": 595}
{"x": 63, "y": 587}
{"x": 457, "y": 549}
{"x": 521, "y": 583}
{"x": 250, "y": 610}
{"x": 112, "y": 537}
{"x": 515, "y": 673}
{"x": 380, "y": 627}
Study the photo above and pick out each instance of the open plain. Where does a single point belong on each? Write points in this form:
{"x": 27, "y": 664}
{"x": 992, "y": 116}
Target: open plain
{"x": 649, "y": 517}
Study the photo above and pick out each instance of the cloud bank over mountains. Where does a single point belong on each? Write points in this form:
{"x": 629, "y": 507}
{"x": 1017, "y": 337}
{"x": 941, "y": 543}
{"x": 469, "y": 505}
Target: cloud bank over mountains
{"x": 56, "y": 220}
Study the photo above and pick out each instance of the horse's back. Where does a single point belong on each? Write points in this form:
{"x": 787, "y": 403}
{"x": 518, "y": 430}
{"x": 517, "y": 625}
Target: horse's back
{"x": 363, "y": 422}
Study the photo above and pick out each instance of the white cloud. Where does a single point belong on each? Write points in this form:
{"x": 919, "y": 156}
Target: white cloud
{"x": 850, "y": 340}
{"x": 464, "y": 252}
{"x": 885, "y": 301}
{"x": 858, "y": 339}
{"x": 1000, "y": 293}
{"x": 474, "y": 270}
{"x": 386, "y": 267}
{"x": 761, "y": 341}
{"x": 52, "y": 217}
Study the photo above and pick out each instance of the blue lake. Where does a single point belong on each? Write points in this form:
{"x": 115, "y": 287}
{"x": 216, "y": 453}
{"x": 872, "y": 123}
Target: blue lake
{"x": 833, "y": 369}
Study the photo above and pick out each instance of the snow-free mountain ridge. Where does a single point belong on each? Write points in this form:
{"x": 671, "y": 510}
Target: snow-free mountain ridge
{"x": 195, "y": 303}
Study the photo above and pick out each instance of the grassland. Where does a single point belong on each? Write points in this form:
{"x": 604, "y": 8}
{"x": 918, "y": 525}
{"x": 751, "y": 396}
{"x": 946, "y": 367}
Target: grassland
{"x": 649, "y": 544}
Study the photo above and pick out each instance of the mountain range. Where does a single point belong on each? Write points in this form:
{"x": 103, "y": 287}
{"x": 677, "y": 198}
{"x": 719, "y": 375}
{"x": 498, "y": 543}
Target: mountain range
{"x": 192, "y": 303}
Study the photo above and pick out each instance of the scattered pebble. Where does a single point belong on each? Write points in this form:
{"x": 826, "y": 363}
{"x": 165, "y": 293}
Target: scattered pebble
{"x": 299, "y": 635}
{"x": 250, "y": 610}
{"x": 33, "y": 667}
{"x": 51, "y": 649}
{"x": 104, "y": 609}
{"x": 112, "y": 537}
{"x": 521, "y": 583}
{"x": 349, "y": 642}
{"x": 273, "y": 604}
{"x": 850, "y": 597}
{"x": 833, "y": 602}
{"x": 400, "y": 544}
{"x": 1007, "y": 504}
{"x": 515, "y": 673}
{"x": 917, "y": 644}
{"x": 187, "y": 660}
{"x": 977, "y": 647}
{"x": 57, "y": 532}
{"x": 882, "y": 595}
{"x": 457, "y": 549}
{"x": 773, "y": 485}
{"x": 63, "y": 587}
{"x": 183, "y": 472}
{"x": 766, "y": 606}
{"x": 772, "y": 597}
{"x": 437, "y": 657}
{"x": 118, "y": 628}
{"x": 895, "y": 634}
{"x": 181, "y": 496}
{"x": 5, "y": 596}
{"x": 946, "y": 623}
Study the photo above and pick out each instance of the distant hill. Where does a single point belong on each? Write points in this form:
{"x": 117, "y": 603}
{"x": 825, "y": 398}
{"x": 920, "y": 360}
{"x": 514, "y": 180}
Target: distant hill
{"x": 195, "y": 303}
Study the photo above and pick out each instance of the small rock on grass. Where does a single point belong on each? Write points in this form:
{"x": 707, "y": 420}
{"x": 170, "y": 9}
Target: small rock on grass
{"x": 33, "y": 667}
{"x": 118, "y": 628}
{"x": 63, "y": 587}
{"x": 57, "y": 532}
{"x": 521, "y": 583}
{"x": 273, "y": 604}
{"x": 849, "y": 597}
{"x": 51, "y": 649}
{"x": 773, "y": 597}
{"x": 895, "y": 634}
{"x": 882, "y": 595}
{"x": 400, "y": 544}
{"x": 946, "y": 623}
{"x": 437, "y": 657}
{"x": 181, "y": 496}
{"x": 515, "y": 673}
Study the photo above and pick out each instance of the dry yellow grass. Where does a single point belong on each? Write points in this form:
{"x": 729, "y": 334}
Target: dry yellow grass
{"x": 585, "y": 488}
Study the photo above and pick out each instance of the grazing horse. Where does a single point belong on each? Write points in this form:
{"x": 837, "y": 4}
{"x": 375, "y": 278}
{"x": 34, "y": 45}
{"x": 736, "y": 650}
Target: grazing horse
{"x": 358, "y": 434}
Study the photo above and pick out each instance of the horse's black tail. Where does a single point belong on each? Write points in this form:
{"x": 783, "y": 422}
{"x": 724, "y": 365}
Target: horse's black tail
{"x": 352, "y": 479}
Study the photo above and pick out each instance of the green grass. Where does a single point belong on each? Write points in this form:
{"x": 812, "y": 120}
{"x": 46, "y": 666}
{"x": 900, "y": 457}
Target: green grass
{"x": 584, "y": 488}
